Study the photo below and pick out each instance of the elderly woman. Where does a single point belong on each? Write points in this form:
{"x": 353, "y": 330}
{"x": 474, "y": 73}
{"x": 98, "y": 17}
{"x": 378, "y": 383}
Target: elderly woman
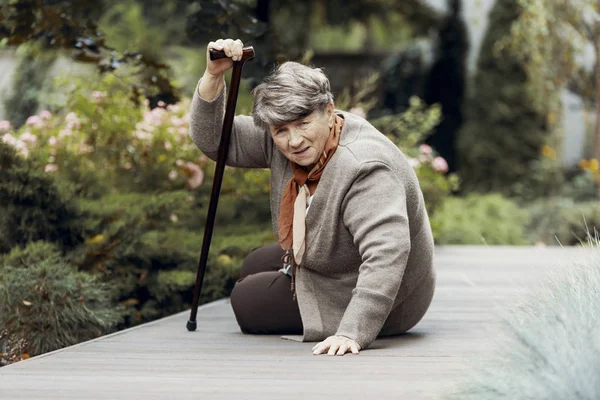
{"x": 354, "y": 254}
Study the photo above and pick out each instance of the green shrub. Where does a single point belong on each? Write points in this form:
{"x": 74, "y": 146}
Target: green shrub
{"x": 34, "y": 253}
{"x": 562, "y": 221}
{"x": 34, "y": 206}
{"x": 49, "y": 304}
{"x": 581, "y": 187}
{"x": 108, "y": 141}
{"x": 545, "y": 178}
{"x": 490, "y": 219}
{"x": 147, "y": 248}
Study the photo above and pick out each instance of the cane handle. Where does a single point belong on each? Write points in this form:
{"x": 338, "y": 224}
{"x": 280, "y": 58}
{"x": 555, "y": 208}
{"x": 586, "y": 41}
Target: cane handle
{"x": 247, "y": 53}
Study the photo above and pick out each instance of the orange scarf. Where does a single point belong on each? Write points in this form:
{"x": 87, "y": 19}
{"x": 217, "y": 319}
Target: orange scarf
{"x": 301, "y": 178}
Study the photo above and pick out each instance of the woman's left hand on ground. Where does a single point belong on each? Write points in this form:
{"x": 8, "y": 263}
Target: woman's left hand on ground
{"x": 336, "y": 346}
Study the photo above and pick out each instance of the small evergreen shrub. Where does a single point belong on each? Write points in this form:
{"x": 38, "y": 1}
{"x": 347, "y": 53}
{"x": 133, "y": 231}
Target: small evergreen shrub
{"x": 34, "y": 206}
{"x": 562, "y": 221}
{"x": 475, "y": 219}
{"x": 148, "y": 247}
{"x": 46, "y": 304}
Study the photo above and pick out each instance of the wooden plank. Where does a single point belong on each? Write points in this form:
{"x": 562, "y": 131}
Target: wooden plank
{"x": 161, "y": 360}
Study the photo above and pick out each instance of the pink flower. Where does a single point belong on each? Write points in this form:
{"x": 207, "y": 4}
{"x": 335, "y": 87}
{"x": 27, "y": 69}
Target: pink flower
{"x": 4, "y": 125}
{"x": 173, "y": 108}
{"x": 35, "y": 121}
{"x": 9, "y": 139}
{"x": 45, "y": 115}
{"x": 195, "y": 173}
{"x": 22, "y": 148}
{"x": 85, "y": 148}
{"x": 440, "y": 165}
{"x": 161, "y": 103}
{"x": 73, "y": 121}
{"x": 142, "y": 135}
{"x": 53, "y": 141}
{"x": 168, "y": 146}
{"x": 98, "y": 96}
{"x": 65, "y": 132}
{"x": 425, "y": 149}
{"x": 51, "y": 168}
{"x": 27, "y": 137}
{"x": 127, "y": 165}
{"x": 173, "y": 175}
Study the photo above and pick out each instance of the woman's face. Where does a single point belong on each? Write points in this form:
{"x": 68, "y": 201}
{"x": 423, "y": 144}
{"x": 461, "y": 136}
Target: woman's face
{"x": 303, "y": 141}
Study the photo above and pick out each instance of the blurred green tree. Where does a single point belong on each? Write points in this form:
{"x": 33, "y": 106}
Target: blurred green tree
{"x": 28, "y": 80}
{"x": 446, "y": 82}
{"x": 504, "y": 131}
{"x": 550, "y": 39}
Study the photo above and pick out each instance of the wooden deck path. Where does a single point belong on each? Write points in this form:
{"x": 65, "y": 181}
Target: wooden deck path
{"x": 161, "y": 360}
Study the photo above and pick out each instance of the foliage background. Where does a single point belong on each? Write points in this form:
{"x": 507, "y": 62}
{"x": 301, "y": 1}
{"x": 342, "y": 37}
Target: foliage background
{"x": 104, "y": 196}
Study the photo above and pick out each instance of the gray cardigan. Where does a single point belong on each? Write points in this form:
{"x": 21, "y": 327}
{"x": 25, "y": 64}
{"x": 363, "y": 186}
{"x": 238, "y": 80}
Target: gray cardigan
{"x": 368, "y": 238}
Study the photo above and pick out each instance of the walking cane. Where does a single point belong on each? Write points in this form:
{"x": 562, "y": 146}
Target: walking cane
{"x": 248, "y": 53}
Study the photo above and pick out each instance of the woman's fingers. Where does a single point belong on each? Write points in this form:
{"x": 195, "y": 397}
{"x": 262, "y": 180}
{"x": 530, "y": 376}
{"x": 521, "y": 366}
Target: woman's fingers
{"x": 232, "y": 48}
{"x": 343, "y": 349}
{"x": 320, "y": 348}
{"x": 238, "y": 49}
{"x": 333, "y": 349}
{"x": 336, "y": 345}
{"x": 215, "y": 46}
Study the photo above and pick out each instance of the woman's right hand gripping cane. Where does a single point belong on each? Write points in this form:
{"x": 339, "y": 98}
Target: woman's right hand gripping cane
{"x": 212, "y": 81}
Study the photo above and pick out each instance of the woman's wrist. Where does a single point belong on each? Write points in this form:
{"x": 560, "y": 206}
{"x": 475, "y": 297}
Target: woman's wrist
{"x": 210, "y": 86}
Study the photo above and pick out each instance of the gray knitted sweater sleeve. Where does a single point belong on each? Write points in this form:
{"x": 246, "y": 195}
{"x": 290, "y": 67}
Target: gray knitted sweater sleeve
{"x": 383, "y": 240}
{"x": 250, "y": 146}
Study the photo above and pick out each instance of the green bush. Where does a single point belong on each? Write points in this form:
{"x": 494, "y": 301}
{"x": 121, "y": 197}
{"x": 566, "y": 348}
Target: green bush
{"x": 562, "y": 221}
{"x": 34, "y": 206}
{"x": 581, "y": 187}
{"x": 490, "y": 219}
{"x": 545, "y": 178}
{"x": 109, "y": 140}
{"x": 48, "y": 303}
{"x": 34, "y": 253}
{"x": 147, "y": 248}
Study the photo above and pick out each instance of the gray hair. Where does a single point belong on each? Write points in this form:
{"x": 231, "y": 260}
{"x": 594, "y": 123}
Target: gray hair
{"x": 292, "y": 91}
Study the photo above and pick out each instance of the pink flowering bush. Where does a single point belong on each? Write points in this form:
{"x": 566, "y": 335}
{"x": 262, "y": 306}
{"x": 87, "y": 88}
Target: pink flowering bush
{"x": 104, "y": 141}
{"x": 431, "y": 170}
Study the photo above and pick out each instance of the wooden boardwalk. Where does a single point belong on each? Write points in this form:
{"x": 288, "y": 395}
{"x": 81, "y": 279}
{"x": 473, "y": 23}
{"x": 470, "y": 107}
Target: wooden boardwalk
{"x": 161, "y": 360}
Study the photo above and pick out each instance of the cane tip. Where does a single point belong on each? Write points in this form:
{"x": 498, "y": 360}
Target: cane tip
{"x": 191, "y": 326}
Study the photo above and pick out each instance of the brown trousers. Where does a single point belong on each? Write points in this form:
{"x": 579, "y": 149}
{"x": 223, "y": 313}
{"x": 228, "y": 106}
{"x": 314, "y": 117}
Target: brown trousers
{"x": 263, "y": 303}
